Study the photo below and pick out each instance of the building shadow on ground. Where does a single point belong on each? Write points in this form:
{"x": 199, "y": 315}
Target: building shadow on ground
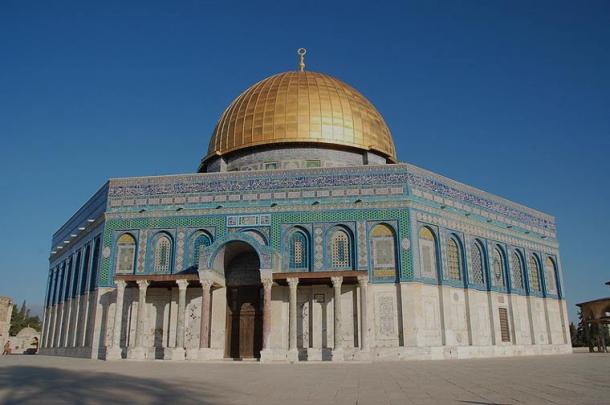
{"x": 36, "y": 385}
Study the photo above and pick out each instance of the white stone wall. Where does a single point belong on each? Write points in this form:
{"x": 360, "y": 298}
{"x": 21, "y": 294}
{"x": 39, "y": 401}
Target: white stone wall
{"x": 521, "y": 320}
{"x": 405, "y": 321}
{"x": 480, "y": 320}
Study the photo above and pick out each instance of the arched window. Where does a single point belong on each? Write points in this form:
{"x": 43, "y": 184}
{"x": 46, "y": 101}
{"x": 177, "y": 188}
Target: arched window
{"x": 427, "y": 252}
{"x": 516, "y": 264}
{"x": 126, "y": 254}
{"x": 201, "y": 240}
{"x": 340, "y": 250}
{"x": 534, "y": 273}
{"x": 477, "y": 273}
{"x": 454, "y": 260}
{"x": 382, "y": 249}
{"x": 549, "y": 275}
{"x": 298, "y": 251}
{"x": 498, "y": 267}
{"x": 163, "y": 254}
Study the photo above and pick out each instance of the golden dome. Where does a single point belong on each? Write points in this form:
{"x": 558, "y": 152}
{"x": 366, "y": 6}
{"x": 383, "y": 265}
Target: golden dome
{"x": 301, "y": 107}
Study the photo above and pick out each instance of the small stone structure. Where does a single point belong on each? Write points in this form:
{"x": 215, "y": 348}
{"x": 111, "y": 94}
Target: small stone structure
{"x": 26, "y": 341}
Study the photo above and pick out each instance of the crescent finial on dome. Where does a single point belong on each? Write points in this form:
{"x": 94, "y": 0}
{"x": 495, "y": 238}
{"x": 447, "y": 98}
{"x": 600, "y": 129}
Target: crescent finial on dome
{"x": 301, "y": 52}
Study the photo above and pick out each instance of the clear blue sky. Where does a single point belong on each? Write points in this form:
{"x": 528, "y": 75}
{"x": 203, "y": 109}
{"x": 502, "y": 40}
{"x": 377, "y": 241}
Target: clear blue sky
{"x": 511, "y": 97}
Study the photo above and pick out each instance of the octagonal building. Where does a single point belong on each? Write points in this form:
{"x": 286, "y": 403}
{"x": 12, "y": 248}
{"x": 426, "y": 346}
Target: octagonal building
{"x": 303, "y": 238}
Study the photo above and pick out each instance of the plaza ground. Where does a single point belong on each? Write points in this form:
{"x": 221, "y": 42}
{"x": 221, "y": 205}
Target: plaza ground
{"x": 580, "y": 378}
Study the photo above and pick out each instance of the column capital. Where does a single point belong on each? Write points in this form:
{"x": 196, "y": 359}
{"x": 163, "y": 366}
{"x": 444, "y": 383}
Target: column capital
{"x": 206, "y": 284}
{"x": 267, "y": 283}
{"x": 182, "y": 284}
{"x": 363, "y": 280}
{"x": 121, "y": 284}
{"x": 143, "y": 284}
{"x": 337, "y": 281}
{"x": 293, "y": 281}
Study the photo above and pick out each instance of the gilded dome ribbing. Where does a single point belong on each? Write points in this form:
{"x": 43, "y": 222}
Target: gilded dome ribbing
{"x": 301, "y": 107}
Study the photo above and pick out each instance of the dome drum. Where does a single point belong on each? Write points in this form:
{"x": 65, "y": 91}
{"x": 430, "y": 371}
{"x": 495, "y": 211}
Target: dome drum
{"x": 291, "y": 156}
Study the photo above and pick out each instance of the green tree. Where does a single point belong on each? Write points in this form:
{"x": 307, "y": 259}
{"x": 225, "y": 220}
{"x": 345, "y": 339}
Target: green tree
{"x": 21, "y": 318}
{"x": 574, "y": 335}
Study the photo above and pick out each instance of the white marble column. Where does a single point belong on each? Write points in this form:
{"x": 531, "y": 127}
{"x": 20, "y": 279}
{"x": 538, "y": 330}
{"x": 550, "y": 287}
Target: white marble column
{"x": 337, "y": 354}
{"x": 363, "y": 282}
{"x": 114, "y": 352}
{"x": 293, "y": 352}
{"x": 178, "y": 352}
{"x": 138, "y": 352}
{"x": 204, "y": 330}
{"x": 74, "y": 338}
{"x": 266, "y": 353}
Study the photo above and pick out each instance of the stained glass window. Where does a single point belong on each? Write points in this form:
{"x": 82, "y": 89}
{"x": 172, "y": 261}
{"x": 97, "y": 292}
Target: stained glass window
{"x": 534, "y": 273}
{"x": 516, "y": 265}
{"x": 126, "y": 254}
{"x": 163, "y": 254}
{"x": 427, "y": 252}
{"x": 298, "y": 253}
{"x": 478, "y": 268}
{"x": 549, "y": 275}
{"x": 498, "y": 267}
{"x": 454, "y": 264}
{"x": 340, "y": 250}
{"x": 200, "y": 241}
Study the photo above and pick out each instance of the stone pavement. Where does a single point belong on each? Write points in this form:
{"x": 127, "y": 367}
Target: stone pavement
{"x": 580, "y": 378}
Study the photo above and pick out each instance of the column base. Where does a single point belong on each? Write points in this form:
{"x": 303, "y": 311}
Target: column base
{"x": 174, "y": 353}
{"x": 362, "y": 355}
{"x": 204, "y": 353}
{"x": 266, "y": 356}
{"x": 137, "y": 353}
{"x": 338, "y": 355}
{"x": 292, "y": 355}
{"x": 114, "y": 353}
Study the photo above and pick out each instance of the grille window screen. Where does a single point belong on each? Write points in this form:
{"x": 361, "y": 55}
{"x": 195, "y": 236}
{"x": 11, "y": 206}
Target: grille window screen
{"x": 454, "y": 268}
{"x": 163, "y": 254}
{"x": 298, "y": 251}
{"x": 340, "y": 250}
{"x": 504, "y": 327}
{"x": 549, "y": 275}
{"x": 517, "y": 270}
{"x": 534, "y": 274}
{"x": 477, "y": 264}
{"x": 200, "y": 241}
{"x": 498, "y": 268}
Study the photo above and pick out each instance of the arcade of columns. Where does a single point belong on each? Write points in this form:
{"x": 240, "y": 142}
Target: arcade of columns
{"x": 138, "y": 352}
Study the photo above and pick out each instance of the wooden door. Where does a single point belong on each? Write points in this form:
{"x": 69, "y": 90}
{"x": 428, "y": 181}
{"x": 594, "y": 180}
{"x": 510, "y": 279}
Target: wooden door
{"x": 244, "y": 322}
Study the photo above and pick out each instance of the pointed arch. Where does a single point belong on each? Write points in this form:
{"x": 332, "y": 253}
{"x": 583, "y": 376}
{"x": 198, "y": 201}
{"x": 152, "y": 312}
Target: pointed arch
{"x": 199, "y": 239}
{"x": 534, "y": 273}
{"x": 298, "y": 247}
{"x": 383, "y": 250}
{"x": 498, "y": 267}
{"x": 517, "y": 267}
{"x": 340, "y": 248}
{"x": 550, "y": 275}
{"x": 162, "y": 253}
{"x": 428, "y": 251}
{"x": 126, "y": 254}
{"x": 454, "y": 258}
{"x": 477, "y": 268}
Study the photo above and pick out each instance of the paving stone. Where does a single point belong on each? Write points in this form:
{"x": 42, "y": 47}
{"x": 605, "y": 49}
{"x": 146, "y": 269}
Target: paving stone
{"x": 580, "y": 378}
